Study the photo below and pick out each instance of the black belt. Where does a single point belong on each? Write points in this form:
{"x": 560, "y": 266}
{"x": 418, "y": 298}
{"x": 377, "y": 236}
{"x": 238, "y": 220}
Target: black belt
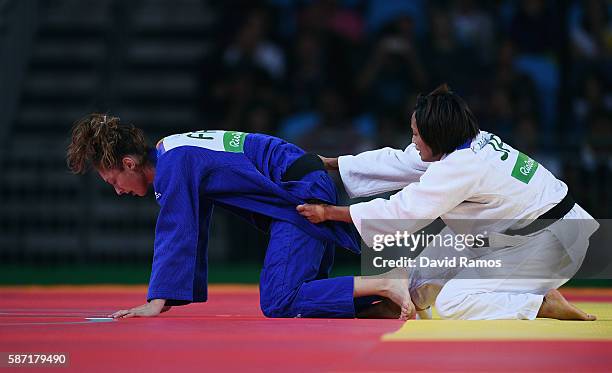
{"x": 302, "y": 166}
{"x": 543, "y": 221}
{"x": 546, "y": 219}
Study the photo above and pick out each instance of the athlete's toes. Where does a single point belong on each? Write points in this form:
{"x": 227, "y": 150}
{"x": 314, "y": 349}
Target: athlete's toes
{"x": 590, "y": 317}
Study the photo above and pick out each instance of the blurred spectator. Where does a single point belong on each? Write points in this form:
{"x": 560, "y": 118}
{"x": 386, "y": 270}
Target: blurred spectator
{"x": 535, "y": 27}
{"x": 596, "y": 175}
{"x": 393, "y": 72}
{"x": 528, "y": 140}
{"x": 597, "y": 149}
{"x": 339, "y": 31}
{"x": 380, "y": 13}
{"x": 589, "y": 97}
{"x": 474, "y": 28}
{"x": 512, "y": 94}
{"x": 537, "y": 49}
{"x": 247, "y": 76}
{"x": 328, "y": 129}
{"x": 252, "y": 48}
{"x": 590, "y": 29}
{"x": 260, "y": 118}
{"x": 447, "y": 60}
{"x": 308, "y": 71}
{"x": 235, "y": 93}
{"x": 327, "y": 16}
{"x": 498, "y": 114}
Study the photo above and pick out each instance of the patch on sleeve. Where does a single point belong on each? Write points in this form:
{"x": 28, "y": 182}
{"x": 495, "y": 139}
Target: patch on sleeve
{"x": 524, "y": 168}
{"x": 234, "y": 141}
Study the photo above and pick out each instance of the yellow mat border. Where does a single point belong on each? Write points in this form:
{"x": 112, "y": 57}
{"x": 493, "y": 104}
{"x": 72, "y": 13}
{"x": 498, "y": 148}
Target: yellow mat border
{"x": 509, "y": 330}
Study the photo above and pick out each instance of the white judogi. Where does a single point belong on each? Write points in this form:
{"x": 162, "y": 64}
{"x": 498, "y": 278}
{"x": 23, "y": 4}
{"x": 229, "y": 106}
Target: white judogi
{"x": 489, "y": 181}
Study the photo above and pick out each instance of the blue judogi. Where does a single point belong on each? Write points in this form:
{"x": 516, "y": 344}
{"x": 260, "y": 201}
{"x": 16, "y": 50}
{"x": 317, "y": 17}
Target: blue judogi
{"x": 244, "y": 173}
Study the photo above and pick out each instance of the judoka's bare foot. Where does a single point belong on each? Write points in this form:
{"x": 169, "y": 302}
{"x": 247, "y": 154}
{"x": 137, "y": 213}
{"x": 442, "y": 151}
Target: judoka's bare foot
{"x": 396, "y": 287}
{"x": 555, "y": 306}
{"x": 393, "y": 285}
{"x": 385, "y": 309}
{"x": 425, "y": 295}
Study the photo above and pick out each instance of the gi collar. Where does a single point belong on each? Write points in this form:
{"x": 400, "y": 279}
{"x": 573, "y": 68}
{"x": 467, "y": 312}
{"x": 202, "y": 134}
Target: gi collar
{"x": 465, "y": 145}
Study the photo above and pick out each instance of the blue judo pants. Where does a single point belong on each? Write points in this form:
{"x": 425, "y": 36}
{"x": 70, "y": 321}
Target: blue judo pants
{"x": 294, "y": 280}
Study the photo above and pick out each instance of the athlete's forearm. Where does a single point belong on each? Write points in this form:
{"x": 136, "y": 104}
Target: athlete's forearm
{"x": 319, "y": 213}
{"x": 331, "y": 164}
{"x": 338, "y": 213}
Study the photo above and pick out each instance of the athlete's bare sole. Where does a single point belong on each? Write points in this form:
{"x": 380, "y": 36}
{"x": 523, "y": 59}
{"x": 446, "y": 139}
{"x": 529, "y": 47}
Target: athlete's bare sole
{"x": 422, "y": 298}
{"x": 555, "y": 306}
{"x": 396, "y": 287}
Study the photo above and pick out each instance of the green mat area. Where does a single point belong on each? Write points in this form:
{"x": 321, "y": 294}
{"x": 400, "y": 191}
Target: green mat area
{"x": 246, "y": 273}
{"x": 125, "y": 274}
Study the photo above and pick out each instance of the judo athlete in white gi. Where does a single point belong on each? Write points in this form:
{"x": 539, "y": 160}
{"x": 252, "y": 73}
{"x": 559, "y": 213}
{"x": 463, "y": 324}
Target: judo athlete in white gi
{"x": 262, "y": 179}
{"x": 455, "y": 171}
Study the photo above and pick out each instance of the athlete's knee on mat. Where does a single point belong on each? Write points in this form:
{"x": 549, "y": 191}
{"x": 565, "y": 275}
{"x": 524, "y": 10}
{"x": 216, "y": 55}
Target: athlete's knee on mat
{"x": 453, "y": 306}
{"x": 279, "y": 307}
{"x": 274, "y": 312}
{"x": 449, "y": 309}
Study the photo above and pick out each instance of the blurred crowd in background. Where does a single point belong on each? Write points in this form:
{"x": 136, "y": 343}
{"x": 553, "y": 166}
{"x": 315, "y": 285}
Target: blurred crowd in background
{"x": 342, "y": 76}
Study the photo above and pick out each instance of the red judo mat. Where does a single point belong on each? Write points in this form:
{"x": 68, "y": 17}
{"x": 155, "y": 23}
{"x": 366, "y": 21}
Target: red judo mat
{"x": 229, "y": 333}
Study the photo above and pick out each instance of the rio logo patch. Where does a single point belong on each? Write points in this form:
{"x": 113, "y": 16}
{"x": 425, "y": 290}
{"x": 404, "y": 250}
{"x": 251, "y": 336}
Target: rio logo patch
{"x": 524, "y": 168}
{"x": 234, "y": 141}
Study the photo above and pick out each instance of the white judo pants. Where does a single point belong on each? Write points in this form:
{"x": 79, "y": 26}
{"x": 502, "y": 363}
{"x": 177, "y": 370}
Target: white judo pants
{"x": 472, "y": 294}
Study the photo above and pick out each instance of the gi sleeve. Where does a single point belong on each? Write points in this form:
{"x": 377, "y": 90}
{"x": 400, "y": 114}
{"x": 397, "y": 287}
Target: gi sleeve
{"x": 381, "y": 170}
{"x": 446, "y": 184}
{"x": 180, "y": 263}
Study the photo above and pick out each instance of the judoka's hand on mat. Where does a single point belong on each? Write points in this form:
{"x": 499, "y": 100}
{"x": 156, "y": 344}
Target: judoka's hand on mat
{"x": 152, "y": 308}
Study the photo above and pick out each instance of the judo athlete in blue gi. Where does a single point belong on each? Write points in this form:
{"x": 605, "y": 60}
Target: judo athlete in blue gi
{"x": 262, "y": 179}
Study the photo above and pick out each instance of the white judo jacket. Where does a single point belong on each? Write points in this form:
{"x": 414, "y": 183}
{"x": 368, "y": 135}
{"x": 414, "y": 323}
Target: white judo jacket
{"x": 488, "y": 180}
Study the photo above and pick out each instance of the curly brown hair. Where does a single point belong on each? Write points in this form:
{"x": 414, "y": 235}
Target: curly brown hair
{"x": 101, "y": 141}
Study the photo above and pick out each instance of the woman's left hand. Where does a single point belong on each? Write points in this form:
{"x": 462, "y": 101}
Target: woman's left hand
{"x": 152, "y": 308}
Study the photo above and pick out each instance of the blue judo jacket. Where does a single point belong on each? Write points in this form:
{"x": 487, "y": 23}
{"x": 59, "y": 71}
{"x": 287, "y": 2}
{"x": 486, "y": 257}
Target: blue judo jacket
{"x": 239, "y": 171}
